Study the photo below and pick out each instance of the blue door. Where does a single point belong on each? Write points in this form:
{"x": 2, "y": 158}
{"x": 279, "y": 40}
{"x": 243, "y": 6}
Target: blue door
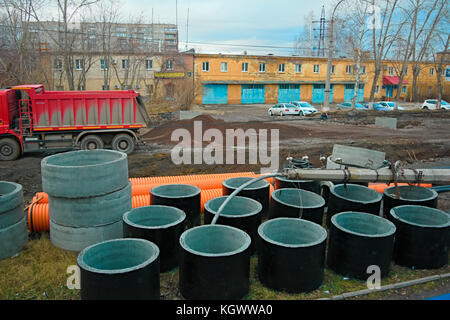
{"x": 288, "y": 93}
{"x": 348, "y": 92}
{"x": 253, "y": 93}
{"x": 215, "y": 93}
{"x": 318, "y": 94}
{"x": 389, "y": 91}
{"x": 360, "y": 97}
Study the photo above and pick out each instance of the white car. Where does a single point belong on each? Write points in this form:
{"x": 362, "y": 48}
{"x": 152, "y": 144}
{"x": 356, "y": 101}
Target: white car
{"x": 390, "y": 105}
{"x": 304, "y": 108}
{"x": 431, "y": 104}
{"x": 283, "y": 109}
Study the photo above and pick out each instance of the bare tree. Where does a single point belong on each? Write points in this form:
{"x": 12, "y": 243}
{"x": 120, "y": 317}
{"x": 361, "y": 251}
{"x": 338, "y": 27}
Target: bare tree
{"x": 67, "y": 34}
{"x": 439, "y": 61}
{"x": 384, "y": 34}
{"x": 19, "y": 56}
{"x": 420, "y": 46}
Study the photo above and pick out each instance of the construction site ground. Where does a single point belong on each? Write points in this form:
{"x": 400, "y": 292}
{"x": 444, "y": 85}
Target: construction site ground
{"x": 422, "y": 139}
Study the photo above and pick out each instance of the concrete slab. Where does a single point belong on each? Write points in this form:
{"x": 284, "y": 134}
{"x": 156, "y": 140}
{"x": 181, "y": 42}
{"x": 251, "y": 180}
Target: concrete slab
{"x": 360, "y": 157}
{"x": 386, "y": 122}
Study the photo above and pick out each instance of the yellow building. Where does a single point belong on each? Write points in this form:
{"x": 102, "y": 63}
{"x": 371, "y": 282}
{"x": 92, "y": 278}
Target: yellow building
{"x": 246, "y": 79}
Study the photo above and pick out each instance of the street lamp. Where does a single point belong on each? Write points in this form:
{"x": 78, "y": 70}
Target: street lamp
{"x": 326, "y": 105}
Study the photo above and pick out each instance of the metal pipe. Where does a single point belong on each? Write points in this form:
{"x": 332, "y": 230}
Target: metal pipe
{"x": 242, "y": 187}
{"x": 371, "y": 175}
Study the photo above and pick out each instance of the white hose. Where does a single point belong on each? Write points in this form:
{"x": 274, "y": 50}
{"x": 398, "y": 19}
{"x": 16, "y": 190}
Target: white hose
{"x": 235, "y": 192}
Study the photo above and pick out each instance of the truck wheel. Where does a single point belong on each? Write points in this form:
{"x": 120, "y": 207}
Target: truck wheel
{"x": 91, "y": 142}
{"x": 123, "y": 143}
{"x": 9, "y": 149}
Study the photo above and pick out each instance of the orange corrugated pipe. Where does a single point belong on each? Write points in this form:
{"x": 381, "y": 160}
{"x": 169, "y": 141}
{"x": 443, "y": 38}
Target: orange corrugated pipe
{"x": 187, "y": 178}
{"x": 380, "y": 187}
{"x": 207, "y": 195}
{"x": 38, "y": 217}
{"x": 40, "y": 197}
{"x": 140, "y": 201}
{"x": 204, "y": 184}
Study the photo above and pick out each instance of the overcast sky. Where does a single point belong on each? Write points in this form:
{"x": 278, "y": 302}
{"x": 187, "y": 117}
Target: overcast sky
{"x": 235, "y": 22}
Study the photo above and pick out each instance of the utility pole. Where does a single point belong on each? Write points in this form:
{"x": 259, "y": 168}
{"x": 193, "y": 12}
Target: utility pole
{"x": 187, "y": 30}
{"x": 326, "y": 104}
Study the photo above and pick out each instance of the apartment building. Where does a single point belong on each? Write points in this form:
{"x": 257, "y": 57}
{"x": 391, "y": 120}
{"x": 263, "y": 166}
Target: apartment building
{"x": 246, "y": 79}
{"x": 101, "y": 37}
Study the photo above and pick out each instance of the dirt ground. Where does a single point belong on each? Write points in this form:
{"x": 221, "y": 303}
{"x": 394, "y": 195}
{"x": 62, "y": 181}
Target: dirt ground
{"x": 421, "y": 140}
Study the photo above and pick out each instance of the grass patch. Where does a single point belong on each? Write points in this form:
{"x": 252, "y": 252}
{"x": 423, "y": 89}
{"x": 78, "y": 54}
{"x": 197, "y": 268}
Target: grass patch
{"x": 39, "y": 272}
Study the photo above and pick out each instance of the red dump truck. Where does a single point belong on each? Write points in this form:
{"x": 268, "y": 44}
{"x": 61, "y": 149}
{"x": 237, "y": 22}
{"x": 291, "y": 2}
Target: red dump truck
{"x": 32, "y": 119}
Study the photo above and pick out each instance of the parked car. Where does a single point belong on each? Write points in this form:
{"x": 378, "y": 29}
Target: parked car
{"x": 304, "y": 108}
{"x": 379, "y": 107}
{"x": 431, "y": 104}
{"x": 348, "y": 105}
{"x": 390, "y": 105}
{"x": 283, "y": 109}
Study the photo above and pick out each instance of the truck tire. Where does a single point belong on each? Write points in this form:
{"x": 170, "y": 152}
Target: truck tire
{"x": 123, "y": 142}
{"x": 92, "y": 142}
{"x": 79, "y": 174}
{"x": 9, "y": 149}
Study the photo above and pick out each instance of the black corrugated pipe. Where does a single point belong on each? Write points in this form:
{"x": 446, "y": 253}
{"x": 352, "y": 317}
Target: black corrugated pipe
{"x": 182, "y": 196}
{"x": 422, "y": 237}
{"x": 408, "y": 195}
{"x": 161, "y": 225}
{"x": 352, "y": 197}
{"x": 241, "y": 212}
{"x": 120, "y": 269}
{"x": 258, "y": 190}
{"x": 359, "y": 240}
{"x": 291, "y": 254}
{"x": 297, "y": 203}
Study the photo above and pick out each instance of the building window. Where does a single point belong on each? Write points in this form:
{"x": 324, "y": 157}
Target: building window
{"x": 404, "y": 89}
{"x": 316, "y": 68}
{"x": 224, "y": 67}
{"x": 281, "y": 67}
{"x": 377, "y": 89}
{"x": 391, "y": 71}
{"x": 103, "y": 64}
{"x": 244, "y": 66}
{"x": 332, "y": 68}
{"x": 79, "y": 64}
{"x": 431, "y": 71}
{"x": 362, "y": 70}
{"x": 149, "y": 64}
{"x": 205, "y": 66}
{"x": 348, "y": 69}
{"x": 169, "y": 65}
{"x": 262, "y": 67}
{"x": 57, "y": 64}
{"x": 298, "y": 68}
{"x": 125, "y": 63}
